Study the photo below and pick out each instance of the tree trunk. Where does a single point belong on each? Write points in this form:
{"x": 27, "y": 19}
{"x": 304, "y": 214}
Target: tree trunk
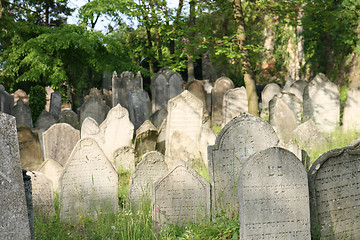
{"x": 245, "y": 59}
{"x": 191, "y": 74}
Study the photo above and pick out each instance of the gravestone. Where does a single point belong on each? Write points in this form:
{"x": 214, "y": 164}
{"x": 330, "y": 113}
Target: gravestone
{"x": 21, "y": 94}
{"x": 308, "y": 136}
{"x": 145, "y": 140}
{"x": 30, "y": 150}
{"x": 55, "y": 105}
{"x": 181, "y": 196}
{"x": 124, "y": 158}
{"x": 334, "y": 194}
{"x": 222, "y": 85}
{"x": 269, "y": 91}
{"x": 106, "y": 80}
{"x": 321, "y": 103}
{"x": 121, "y": 87}
{"x": 88, "y": 184}
{"x": 158, "y": 117}
{"x": 14, "y": 221}
{"x": 116, "y": 131}
{"x": 208, "y": 87}
{"x": 44, "y": 121}
{"x": 22, "y": 113}
{"x": 139, "y": 106}
{"x": 49, "y": 91}
{"x": 69, "y": 117}
{"x": 94, "y": 107}
{"x": 59, "y": 141}
{"x": 183, "y": 129}
{"x": 239, "y": 139}
{"x": 285, "y": 114}
{"x": 42, "y": 193}
{"x": 151, "y": 167}
{"x": 351, "y": 117}
{"x": 6, "y": 101}
{"x": 196, "y": 88}
{"x": 297, "y": 88}
{"x": 235, "y": 101}
{"x": 52, "y": 170}
{"x": 208, "y": 137}
{"x": 161, "y": 140}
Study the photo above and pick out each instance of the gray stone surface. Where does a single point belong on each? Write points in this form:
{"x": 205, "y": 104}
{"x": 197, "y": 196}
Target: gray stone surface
{"x": 181, "y": 196}
{"x": 351, "y": 117}
{"x": 14, "y": 221}
{"x": 139, "y": 106}
{"x": 151, "y": 167}
{"x": 22, "y": 113}
{"x": 161, "y": 140}
{"x": 221, "y": 86}
{"x": 308, "y": 136}
{"x": 88, "y": 184}
{"x": 235, "y": 101}
{"x": 42, "y": 193}
{"x": 121, "y": 87}
{"x": 334, "y": 194}
{"x": 69, "y": 117}
{"x": 124, "y": 158}
{"x": 196, "y": 88}
{"x": 106, "y": 80}
{"x": 269, "y": 91}
{"x": 146, "y": 137}
{"x": 158, "y": 117}
{"x": 55, "y": 104}
{"x": 321, "y": 103}
{"x": 239, "y": 139}
{"x": 208, "y": 137}
{"x": 274, "y": 197}
{"x": 183, "y": 129}
{"x": 52, "y": 170}
{"x": 59, "y": 141}
{"x": 297, "y": 88}
{"x": 45, "y": 120}
{"x": 95, "y": 108}
{"x": 6, "y": 101}
{"x": 30, "y": 150}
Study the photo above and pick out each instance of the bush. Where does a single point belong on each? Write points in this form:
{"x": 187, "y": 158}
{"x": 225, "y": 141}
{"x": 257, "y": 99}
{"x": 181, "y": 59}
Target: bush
{"x": 37, "y": 101}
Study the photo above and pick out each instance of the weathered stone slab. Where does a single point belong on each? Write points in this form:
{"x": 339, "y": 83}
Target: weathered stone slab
{"x": 59, "y": 141}
{"x": 334, "y": 194}
{"x": 351, "y": 117}
{"x": 14, "y": 221}
{"x": 239, "y": 139}
{"x": 297, "y": 88}
{"x": 158, "y": 117}
{"x": 322, "y": 103}
{"x": 151, "y": 167}
{"x": 139, "y": 106}
{"x": 45, "y": 120}
{"x": 208, "y": 137}
{"x": 269, "y": 91}
{"x": 181, "y": 196}
{"x": 106, "y": 80}
{"x": 183, "y": 129}
{"x": 308, "y": 136}
{"x": 274, "y": 197}
{"x": 22, "y": 113}
{"x": 145, "y": 140}
{"x": 208, "y": 87}
{"x": 94, "y": 107}
{"x": 42, "y": 193}
{"x": 161, "y": 140}
{"x": 55, "y": 105}
{"x": 235, "y": 101}
{"x": 6, "y": 101}
{"x": 121, "y": 87}
{"x": 124, "y": 158}
{"x": 52, "y": 170}
{"x": 222, "y": 85}
{"x": 69, "y": 117}
{"x": 196, "y": 88}
{"x": 30, "y": 150}
{"x": 88, "y": 184}
{"x": 21, "y": 94}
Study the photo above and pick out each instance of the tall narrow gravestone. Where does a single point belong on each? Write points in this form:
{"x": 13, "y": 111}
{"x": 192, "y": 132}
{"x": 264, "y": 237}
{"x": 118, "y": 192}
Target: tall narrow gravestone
{"x": 183, "y": 129}
{"x": 14, "y": 221}
{"x": 181, "y": 196}
{"x": 6, "y": 100}
{"x": 55, "y": 104}
{"x": 22, "y": 113}
{"x": 121, "y": 87}
{"x": 240, "y": 138}
{"x": 222, "y": 85}
{"x": 274, "y": 197}
{"x": 235, "y": 101}
{"x": 321, "y": 103}
{"x": 88, "y": 184}
{"x": 94, "y": 107}
{"x": 139, "y": 106}
{"x": 334, "y": 194}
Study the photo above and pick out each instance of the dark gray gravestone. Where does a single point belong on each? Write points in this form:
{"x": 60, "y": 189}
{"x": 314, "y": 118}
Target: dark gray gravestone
{"x": 95, "y": 108}
{"x": 158, "y": 117}
{"x": 222, "y": 85}
{"x": 6, "y": 101}
{"x": 274, "y": 197}
{"x": 106, "y": 77}
{"x": 334, "y": 194}
{"x": 69, "y": 117}
{"x": 239, "y": 139}
{"x": 22, "y": 113}
{"x": 45, "y": 120}
{"x": 139, "y": 106}
{"x": 55, "y": 104}
{"x": 14, "y": 220}
{"x": 121, "y": 87}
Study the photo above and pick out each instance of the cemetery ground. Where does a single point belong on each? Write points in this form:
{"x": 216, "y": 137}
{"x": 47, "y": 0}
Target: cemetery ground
{"x": 128, "y": 224}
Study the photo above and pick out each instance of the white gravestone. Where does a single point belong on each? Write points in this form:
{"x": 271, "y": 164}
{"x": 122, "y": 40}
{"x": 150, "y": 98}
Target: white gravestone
{"x": 235, "y": 101}
{"x": 351, "y": 117}
{"x": 88, "y": 184}
{"x": 52, "y": 170}
{"x": 269, "y": 91}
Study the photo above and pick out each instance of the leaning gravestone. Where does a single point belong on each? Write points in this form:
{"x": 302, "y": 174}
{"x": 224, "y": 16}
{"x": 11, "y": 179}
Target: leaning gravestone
{"x": 55, "y": 105}
{"x": 183, "y": 129}
{"x": 145, "y": 140}
{"x": 30, "y": 149}
{"x": 235, "y": 101}
{"x": 151, "y": 167}
{"x": 121, "y": 87}
{"x": 158, "y": 117}
{"x": 351, "y": 117}
{"x": 239, "y": 139}
{"x": 269, "y": 91}
{"x": 58, "y": 141}
{"x": 52, "y": 170}
{"x": 22, "y": 113}
{"x": 14, "y": 221}
{"x": 274, "y": 197}
{"x": 322, "y": 103}
{"x": 94, "y": 107}
{"x": 139, "y": 106}
{"x": 42, "y": 193}
{"x": 90, "y": 128}
{"x": 44, "y": 121}
{"x": 181, "y": 196}
{"x": 334, "y": 194}
{"x": 222, "y": 85}
{"x": 88, "y": 184}
{"x": 161, "y": 140}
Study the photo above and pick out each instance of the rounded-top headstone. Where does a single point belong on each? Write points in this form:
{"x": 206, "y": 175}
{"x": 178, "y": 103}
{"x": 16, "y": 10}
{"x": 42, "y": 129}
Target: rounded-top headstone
{"x": 221, "y": 86}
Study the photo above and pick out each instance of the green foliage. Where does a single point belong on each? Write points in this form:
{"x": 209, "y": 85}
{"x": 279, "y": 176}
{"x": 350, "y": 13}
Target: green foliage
{"x": 37, "y": 101}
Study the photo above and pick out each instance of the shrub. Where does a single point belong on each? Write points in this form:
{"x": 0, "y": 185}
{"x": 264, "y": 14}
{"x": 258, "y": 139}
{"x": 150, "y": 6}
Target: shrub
{"x": 37, "y": 101}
